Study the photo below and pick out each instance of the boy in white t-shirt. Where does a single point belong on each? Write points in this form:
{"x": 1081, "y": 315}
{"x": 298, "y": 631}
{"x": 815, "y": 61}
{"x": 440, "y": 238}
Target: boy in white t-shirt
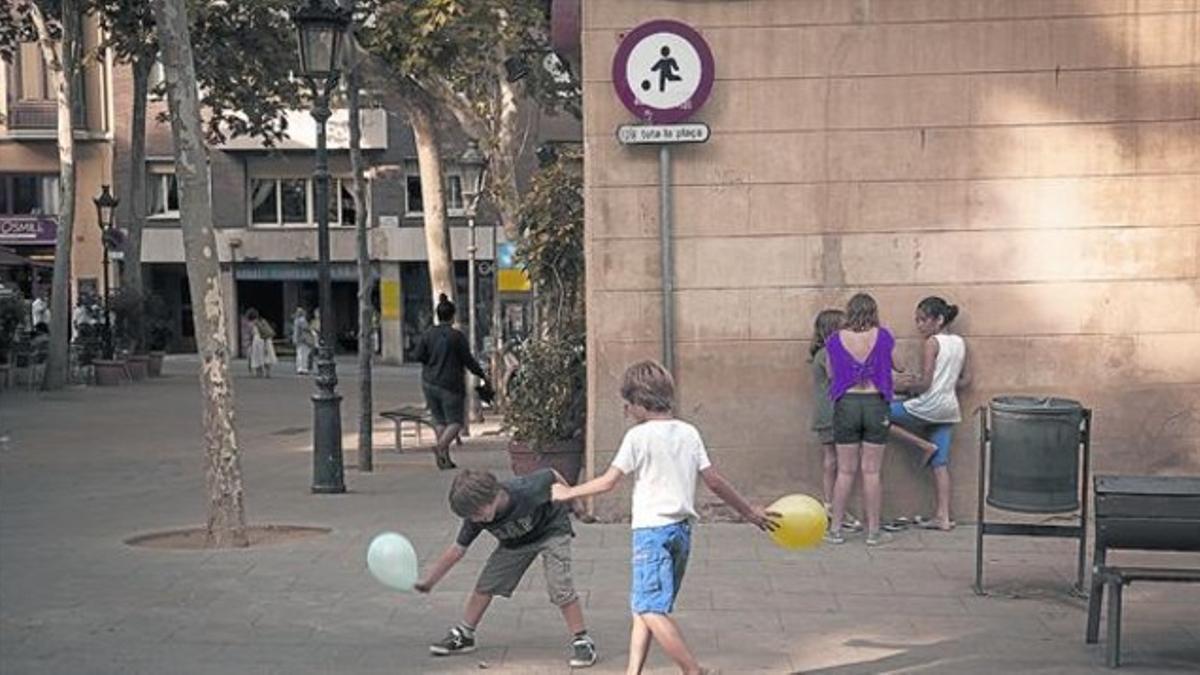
{"x": 664, "y": 455}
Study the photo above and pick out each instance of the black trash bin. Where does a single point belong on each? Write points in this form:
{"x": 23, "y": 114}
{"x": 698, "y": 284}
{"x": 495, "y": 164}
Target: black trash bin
{"x": 1034, "y": 465}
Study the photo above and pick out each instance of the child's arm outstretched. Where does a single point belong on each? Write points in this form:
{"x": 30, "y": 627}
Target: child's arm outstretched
{"x": 755, "y": 515}
{"x": 441, "y": 566}
{"x": 561, "y": 492}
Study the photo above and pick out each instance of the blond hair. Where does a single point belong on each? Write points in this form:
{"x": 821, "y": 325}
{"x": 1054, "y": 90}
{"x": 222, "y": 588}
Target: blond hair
{"x": 649, "y": 385}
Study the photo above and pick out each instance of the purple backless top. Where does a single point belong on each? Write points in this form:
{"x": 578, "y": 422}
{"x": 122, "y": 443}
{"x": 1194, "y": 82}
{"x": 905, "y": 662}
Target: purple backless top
{"x": 847, "y": 372}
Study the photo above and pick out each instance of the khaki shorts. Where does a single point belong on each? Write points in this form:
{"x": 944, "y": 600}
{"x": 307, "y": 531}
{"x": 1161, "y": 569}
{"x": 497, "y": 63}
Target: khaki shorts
{"x": 505, "y": 567}
{"x": 860, "y": 418}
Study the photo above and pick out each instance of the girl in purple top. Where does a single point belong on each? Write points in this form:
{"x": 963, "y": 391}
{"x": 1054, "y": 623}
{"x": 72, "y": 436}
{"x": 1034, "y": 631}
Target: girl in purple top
{"x": 860, "y": 365}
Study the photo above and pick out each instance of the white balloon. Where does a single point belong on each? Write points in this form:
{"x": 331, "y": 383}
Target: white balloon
{"x": 393, "y": 561}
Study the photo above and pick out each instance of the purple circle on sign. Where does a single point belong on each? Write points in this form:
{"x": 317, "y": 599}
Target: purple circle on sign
{"x": 646, "y": 110}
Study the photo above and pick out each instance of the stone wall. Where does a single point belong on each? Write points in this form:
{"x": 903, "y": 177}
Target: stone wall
{"x": 1035, "y": 162}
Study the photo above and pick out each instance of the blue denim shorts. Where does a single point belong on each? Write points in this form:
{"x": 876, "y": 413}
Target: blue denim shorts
{"x": 940, "y": 434}
{"x": 660, "y": 556}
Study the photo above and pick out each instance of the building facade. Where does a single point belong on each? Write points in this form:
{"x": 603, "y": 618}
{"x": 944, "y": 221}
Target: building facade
{"x": 1036, "y": 163}
{"x": 29, "y": 165}
{"x": 263, "y": 205}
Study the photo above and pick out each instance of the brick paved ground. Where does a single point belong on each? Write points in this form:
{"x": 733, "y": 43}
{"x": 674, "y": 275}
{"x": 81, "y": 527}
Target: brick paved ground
{"x": 82, "y": 470}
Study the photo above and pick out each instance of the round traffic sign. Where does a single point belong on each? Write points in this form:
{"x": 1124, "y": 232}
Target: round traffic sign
{"x": 663, "y": 71}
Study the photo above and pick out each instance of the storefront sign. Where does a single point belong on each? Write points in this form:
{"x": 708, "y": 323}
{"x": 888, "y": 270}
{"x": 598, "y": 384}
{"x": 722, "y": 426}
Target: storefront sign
{"x": 389, "y": 299}
{"x": 28, "y": 230}
{"x": 510, "y": 277}
{"x": 663, "y": 71}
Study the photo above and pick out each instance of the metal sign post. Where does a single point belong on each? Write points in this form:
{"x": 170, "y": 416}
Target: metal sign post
{"x": 663, "y": 73}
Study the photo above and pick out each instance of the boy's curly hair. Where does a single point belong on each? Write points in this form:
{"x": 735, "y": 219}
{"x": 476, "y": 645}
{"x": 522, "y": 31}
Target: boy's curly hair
{"x": 471, "y": 491}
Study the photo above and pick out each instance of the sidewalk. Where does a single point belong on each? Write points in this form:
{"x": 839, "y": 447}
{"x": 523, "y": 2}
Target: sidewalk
{"x": 84, "y": 469}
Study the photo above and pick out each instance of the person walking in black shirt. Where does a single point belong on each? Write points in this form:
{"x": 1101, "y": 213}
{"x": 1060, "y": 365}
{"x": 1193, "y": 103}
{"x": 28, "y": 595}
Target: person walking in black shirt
{"x": 445, "y": 355}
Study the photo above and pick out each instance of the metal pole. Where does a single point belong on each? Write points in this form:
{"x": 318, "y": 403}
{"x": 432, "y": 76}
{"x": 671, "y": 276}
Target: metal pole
{"x": 108, "y": 345}
{"x": 327, "y": 417}
{"x": 668, "y": 257}
{"x": 474, "y": 413}
{"x": 980, "y": 525}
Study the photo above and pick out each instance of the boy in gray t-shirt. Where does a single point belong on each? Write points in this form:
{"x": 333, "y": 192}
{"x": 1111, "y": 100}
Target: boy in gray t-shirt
{"x": 526, "y": 523}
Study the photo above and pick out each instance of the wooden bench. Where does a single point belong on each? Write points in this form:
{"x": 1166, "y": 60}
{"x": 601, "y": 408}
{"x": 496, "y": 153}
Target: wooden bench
{"x": 418, "y": 416}
{"x": 1155, "y": 513}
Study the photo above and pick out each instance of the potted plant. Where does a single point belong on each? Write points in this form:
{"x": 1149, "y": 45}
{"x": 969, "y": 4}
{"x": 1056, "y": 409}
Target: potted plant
{"x": 157, "y": 324}
{"x": 128, "y": 310}
{"x": 12, "y": 309}
{"x": 546, "y": 406}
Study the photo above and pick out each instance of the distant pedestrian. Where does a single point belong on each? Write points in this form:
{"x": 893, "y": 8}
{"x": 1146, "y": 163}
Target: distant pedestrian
{"x": 39, "y": 311}
{"x": 860, "y": 363}
{"x": 445, "y": 356}
{"x": 665, "y": 455}
{"x": 302, "y": 338}
{"x": 828, "y": 322}
{"x": 933, "y": 412}
{"x": 262, "y": 349}
{"x": 246, "y": 324}
{"x": 526, "y": 524}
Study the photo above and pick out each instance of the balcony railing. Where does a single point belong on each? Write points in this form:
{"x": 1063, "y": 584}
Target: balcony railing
{"x": 32, "y": 115}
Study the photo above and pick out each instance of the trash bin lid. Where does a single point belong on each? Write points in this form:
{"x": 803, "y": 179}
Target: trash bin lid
{"x": 1049, "y": 405}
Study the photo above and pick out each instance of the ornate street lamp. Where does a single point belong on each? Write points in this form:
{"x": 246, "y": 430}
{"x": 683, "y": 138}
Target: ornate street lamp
{"x": 106, "y": 203}
{"x": 473, "y": 165}
{"x": 320, "y": 25}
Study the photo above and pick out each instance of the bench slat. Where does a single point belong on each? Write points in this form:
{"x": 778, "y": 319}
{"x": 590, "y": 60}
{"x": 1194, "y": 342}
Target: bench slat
{"x": 1166, "y": 574}
{"x": 1148, "y": 485}
{"x": 1181, "y": 507}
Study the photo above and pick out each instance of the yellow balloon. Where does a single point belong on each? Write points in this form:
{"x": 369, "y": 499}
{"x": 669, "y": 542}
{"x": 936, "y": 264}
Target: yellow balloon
{"x": 802, "y": 522}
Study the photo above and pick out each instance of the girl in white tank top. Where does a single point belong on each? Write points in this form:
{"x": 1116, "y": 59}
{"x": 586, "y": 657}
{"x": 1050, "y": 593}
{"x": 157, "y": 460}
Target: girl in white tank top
{"x": 927, "y": 419}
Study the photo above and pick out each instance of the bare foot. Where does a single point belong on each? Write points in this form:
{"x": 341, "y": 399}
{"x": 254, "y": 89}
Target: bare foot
{"x": 928, "y": 451}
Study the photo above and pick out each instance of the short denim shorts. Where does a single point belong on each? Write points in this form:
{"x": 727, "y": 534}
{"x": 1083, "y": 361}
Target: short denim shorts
{"x": 940, "y": 434}
{"x": 660, "y": 556}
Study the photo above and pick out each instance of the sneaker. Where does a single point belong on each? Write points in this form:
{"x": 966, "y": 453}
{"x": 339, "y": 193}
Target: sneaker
{"x": 878, "y": 538}
{"x": 852, "y": 524}
{"x": 455, "y": 642}
{"x": 834, "y": 537}
{"x": 583, "y": 652}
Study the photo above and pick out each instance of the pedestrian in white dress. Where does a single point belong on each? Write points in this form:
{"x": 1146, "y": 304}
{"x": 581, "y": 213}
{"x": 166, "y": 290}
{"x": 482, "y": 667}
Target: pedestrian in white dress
{"x": 262, "y": 350}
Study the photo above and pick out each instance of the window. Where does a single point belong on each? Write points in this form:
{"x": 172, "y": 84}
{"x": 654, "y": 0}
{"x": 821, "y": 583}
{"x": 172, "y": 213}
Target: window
{"x": 292, "y": 202}
{"x": 293, "y": 198}
{"x": 28, "y": 194}
{"x": 30, "y": 77}
{"x": 414, "y": 204}
{"x": 264, "y": 205}
{"x": 454, "y": 193}
{"x": 162, "y": 191}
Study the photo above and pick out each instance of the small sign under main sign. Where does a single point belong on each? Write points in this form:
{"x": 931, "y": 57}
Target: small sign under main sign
{"x": 651, "y": 134}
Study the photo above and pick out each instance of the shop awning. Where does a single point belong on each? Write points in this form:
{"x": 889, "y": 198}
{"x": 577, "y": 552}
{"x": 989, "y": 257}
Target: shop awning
{"x": 282, "y": 271}
{"x": 10, "y": 259}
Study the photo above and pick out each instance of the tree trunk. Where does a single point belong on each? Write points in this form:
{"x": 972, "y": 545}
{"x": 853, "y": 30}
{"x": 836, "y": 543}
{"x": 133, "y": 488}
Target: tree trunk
{"x": 226, "y": 511}
{"x": 135, "y": 196}
{"x": 366, "y": 280}
{"x": 437, "y": 227}
{"x": 503, "y": 161}
{"x": 61, "y": 62}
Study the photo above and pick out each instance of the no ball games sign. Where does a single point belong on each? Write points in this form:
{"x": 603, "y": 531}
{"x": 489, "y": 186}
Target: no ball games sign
{"x": 663, "y": 72}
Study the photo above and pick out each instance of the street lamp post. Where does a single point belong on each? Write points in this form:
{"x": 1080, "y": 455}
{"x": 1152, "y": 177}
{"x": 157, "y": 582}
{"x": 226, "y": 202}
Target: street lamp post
{"x": 474, "y": 166}
{"x": 320, "y": 26}
{"x": 106, "y": 203}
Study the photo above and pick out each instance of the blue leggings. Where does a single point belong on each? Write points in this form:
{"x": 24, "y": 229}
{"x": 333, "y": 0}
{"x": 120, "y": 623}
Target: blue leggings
{"x": 940, "y": 434}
